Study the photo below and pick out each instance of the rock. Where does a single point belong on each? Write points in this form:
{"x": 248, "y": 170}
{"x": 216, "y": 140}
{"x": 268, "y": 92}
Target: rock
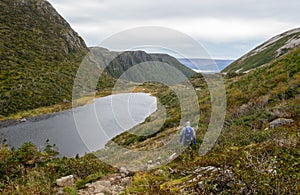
{"x": 66, "y": 101}
{"x": 97, "y": 188}
{"x": 159, "y": 158}
{"x": 124, "y": 170}
{"x": 118, "y": 188}
{"x": 159, "y": 172}
{"x": 114, "y": 184}
{"x": 171, "y": 170}
{"x": 280, "y": 122}
{"x": 201, "y": 185}
{"x": 206, "y": 169}
{"x": 172, "y": 156}
{"x": 272, "y": 171}
{"x": 65, "y": 181}
{"x": 23, "y": 120}
{"x": 60, "y": 191}
{"x": 119, "y": 177}
{"x": 125, "y": 181}
{"x": 243, "y": 109}
{"x": 105, "y": 183}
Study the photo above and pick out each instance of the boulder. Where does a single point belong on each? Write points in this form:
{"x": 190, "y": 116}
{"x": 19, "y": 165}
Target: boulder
{"x": 124, "y": 172}
{"x": 159, "y": 172}
{"x": 65, "y": 181}
{"x": 96, "y": 188}
{"x": 125, "y": 181}
{"x": 280, "y": 122}
{"x": 23, "y": 120}
{"x": 172, "y": 156}
{"x": 105, "y": 183}
{"x": 102, "y": 189}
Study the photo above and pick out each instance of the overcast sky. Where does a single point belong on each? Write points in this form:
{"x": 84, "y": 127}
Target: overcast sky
{"x": 226, "y": 28}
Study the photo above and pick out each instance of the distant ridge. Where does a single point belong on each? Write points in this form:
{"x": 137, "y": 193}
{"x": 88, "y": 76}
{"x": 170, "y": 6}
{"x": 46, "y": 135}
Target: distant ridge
{"x": 117, "y": 63}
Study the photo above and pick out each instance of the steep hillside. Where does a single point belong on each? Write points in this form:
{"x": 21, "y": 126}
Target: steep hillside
{"x": 39, "y": 55}
{"x": 119, "y": 62}
{"x": 258, "y": 150}
{"x": 266, "y": 52}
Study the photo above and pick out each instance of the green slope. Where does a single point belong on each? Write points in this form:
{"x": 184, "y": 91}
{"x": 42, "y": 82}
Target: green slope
{"x": 276, "y": 83}
{"x": 248, "y": 151}
{"x": 39, "y": 56}
{"x": 266, "y": 52}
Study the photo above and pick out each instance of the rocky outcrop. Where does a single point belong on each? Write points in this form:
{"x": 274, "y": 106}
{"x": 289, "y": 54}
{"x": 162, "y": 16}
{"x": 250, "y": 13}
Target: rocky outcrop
{"x": 72, "y": 39}
{"x": 65, "y": 181}
{"x": 112, "y": 184}
{"x": 280, "y": 122}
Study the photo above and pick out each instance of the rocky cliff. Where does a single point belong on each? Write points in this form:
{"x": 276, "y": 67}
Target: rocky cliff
{"x": 39, "y": 55}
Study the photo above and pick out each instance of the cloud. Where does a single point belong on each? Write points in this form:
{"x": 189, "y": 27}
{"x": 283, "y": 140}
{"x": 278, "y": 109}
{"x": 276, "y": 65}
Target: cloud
{"x": 219, "y": 25}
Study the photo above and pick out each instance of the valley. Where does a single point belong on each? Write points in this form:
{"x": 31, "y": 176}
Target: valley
{"x": 138, "y": 149}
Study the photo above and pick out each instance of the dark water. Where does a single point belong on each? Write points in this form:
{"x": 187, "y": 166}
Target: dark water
{"x": 86, "y": 128}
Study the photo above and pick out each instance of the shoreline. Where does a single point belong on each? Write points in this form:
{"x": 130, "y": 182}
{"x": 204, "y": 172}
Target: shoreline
{"x": 46, "y": 112}
{"x": 12, "y": 122}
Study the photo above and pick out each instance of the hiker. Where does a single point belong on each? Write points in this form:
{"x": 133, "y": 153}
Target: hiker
{"x": 187, "y": 135}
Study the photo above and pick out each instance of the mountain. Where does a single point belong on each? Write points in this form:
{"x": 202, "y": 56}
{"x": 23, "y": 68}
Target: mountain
{"x": 39, "y": 56}
{"x": 150, "y": 66}
{"x": 205, "y": 65}
{"x": 266, "y": 52}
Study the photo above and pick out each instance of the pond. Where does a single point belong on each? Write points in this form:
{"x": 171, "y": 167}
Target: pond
{"x": 86, "y": 128}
